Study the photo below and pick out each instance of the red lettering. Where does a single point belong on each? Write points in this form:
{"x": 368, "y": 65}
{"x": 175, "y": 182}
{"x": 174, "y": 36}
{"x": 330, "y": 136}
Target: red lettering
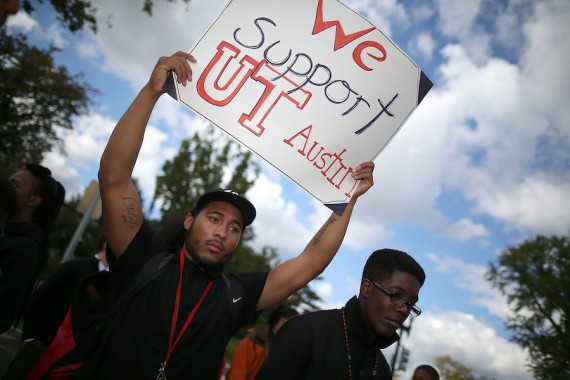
{"x": 337, "y": 165}
{"x": 274, "y": 90}
{"x": 341, "y": 38}
{"x": 306, "y": 133}
{"x": 208, "y": 85}
{"x": 357, "y": 53}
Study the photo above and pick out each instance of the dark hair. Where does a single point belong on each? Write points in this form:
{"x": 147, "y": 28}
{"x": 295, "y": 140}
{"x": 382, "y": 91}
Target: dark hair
{"x": 53, "y": 196}
{"x": 171, "y": 229}
{"x": 384, "y": 262}
{"x": 52, "y": 193}
{"x": 430, "y": 370}
{"x": 281, "y": 311}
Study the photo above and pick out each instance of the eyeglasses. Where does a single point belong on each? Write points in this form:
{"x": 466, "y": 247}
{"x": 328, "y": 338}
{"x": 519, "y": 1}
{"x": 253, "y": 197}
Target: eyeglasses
{"x": 399, "y": 300}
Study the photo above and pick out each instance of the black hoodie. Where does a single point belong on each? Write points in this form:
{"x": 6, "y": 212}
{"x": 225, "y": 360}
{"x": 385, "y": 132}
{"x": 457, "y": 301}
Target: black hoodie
{"x": 20, "y": 252}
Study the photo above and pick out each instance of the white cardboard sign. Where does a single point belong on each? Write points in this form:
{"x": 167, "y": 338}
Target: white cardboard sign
{"x": 309, "y": 85}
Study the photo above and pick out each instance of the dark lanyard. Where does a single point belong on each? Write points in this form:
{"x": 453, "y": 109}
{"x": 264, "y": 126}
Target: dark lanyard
{"x": 173, "y": 341}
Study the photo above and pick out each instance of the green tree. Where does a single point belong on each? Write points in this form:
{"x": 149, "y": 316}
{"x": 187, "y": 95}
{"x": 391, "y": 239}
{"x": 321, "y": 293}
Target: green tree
{"x": 67, "y": 223}
{"x": 204, "y": 161}
{"x": 535, "y": 277}
{"x": 36, "y": 98}
{"x": 74, "y": 14}
{"x": 451, "y": 369}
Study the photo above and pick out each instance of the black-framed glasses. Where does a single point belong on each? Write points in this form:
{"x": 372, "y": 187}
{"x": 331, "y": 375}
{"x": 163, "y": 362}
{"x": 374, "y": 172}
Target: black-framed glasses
{"x": 398, "y": 299}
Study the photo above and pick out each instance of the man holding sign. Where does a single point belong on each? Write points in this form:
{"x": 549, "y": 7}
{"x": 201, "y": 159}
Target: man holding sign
{"x": 194, "y": 347}
{"x": 178, "y": 324}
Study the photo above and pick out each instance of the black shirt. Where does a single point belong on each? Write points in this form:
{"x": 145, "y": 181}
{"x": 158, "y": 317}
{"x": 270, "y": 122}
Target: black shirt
{"x": 313, "y": 346}
{"x": 50, "y": 302}
{"x": 139, "y": 341}
{"x": 20, "y": 260}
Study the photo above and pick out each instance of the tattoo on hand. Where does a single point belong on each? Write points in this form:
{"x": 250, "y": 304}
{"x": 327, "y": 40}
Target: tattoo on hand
{"x": 321, "y": 232}
{"x": 131, "y": 218}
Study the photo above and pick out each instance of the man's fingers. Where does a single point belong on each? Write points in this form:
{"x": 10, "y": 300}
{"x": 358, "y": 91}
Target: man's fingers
{"x": 364, "y": 170}
{"x": 179, "y": 63}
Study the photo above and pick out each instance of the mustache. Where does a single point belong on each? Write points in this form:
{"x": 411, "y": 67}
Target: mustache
{"x": 217, "y": 242}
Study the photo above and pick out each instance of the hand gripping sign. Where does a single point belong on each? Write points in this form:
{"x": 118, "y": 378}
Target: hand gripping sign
{"x": 309, "y": 85}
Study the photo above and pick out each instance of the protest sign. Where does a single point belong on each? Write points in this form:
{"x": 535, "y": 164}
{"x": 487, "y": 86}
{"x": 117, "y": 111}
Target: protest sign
{"x": 309, "y": 85}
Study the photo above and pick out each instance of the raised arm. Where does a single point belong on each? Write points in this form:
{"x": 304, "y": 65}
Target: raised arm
{"x": 295, "y": 273}
{"x": 122, "y": 213}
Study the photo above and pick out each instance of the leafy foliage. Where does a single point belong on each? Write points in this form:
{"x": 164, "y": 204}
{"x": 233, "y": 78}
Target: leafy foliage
{"x": 36, "y": 97}
{"x": 67, "y": 222}
{"x": 203, "y": 162}
{"x": 451, "y": 369}
{"x": 72, "y": 13}
{"x": 535, "y": 277}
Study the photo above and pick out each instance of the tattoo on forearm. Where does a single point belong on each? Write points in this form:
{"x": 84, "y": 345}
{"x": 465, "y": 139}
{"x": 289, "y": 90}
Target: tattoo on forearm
{"x": 321, "y": 232}
{"x": 131, "y": 218}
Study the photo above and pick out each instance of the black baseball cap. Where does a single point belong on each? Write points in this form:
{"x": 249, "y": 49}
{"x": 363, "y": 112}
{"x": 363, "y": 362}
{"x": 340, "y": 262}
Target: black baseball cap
{"x": 227, "y": 195}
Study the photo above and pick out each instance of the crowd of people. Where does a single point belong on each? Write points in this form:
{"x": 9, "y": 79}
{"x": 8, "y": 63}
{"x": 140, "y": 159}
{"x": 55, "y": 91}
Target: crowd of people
{"x": 138, "y": 310}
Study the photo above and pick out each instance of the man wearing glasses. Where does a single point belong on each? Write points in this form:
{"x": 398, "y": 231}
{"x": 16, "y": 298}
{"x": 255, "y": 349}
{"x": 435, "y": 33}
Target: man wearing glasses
{"x": 346, "y": 343}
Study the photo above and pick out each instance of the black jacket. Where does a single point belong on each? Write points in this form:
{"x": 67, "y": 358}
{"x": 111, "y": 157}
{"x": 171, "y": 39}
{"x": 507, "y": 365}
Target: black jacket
{"x": 312, "y": 346}
{"x": 50, "y": 302}
{"x": 20, "y": 252}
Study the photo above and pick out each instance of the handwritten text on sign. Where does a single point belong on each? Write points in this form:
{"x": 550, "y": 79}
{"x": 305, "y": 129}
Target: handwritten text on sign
{"x": 310, "y": 86}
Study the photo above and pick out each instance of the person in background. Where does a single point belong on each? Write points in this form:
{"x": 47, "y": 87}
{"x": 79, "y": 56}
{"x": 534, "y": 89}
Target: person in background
{"x": 8, "y": 7}
{"x": 26, "y": 237}
{"x": 47, "y": 308}
{"x": 346, "y": 343}
{"x": 425, "y": 372}
{"x": 253, "y": 349}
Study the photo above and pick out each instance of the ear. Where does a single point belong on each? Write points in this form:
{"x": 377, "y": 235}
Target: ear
{"x": 188, "y": 221}
{"x": 365, "y": 288}
{"x": 34, "y": 201}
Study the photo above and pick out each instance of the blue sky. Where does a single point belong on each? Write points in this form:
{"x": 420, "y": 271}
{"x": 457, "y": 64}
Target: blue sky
{"x": 482, "y": 164}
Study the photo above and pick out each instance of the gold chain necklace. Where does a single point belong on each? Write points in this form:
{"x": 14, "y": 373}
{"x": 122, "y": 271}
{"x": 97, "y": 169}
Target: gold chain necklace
{"x": 348, "y": 357}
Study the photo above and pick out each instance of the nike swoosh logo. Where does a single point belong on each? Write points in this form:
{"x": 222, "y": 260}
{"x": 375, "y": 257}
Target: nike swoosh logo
{"x": 236, "y": 299}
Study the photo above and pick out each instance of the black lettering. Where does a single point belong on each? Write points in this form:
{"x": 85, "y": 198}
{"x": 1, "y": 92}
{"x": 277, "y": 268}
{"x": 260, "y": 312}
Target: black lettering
{"x": 262, "y": 36}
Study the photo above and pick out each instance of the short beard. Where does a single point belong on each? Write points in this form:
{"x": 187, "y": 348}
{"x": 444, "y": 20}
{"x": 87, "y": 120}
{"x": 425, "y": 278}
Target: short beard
{"x": 196, "y": 259}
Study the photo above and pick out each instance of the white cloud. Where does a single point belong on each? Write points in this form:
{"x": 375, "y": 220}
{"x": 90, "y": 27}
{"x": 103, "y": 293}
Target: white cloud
{"x": 87, "y": 50}
{"x": 471, "y": 277}
{"x": 64, "y": 173}
{"x": 278, "y": 219}
{"x": 381, "y": 13}
{"x": 466, "y": 339}
{"x": 533, "y": 205}
{"x": 424, "y": 44}
{"x": 134, "y": 42}
{"x": 150, "y": 159}
{"x": 545, "y": 77}
{"x": 457, "y": 16}
{"x": 22, "y": 22}
{"x": 54, "y": 34}
{"x": 466, "y": 229}
{"x": 421, "y": 12}
{"x": 325, "y": 291}
{"x": 457, "y": 21}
